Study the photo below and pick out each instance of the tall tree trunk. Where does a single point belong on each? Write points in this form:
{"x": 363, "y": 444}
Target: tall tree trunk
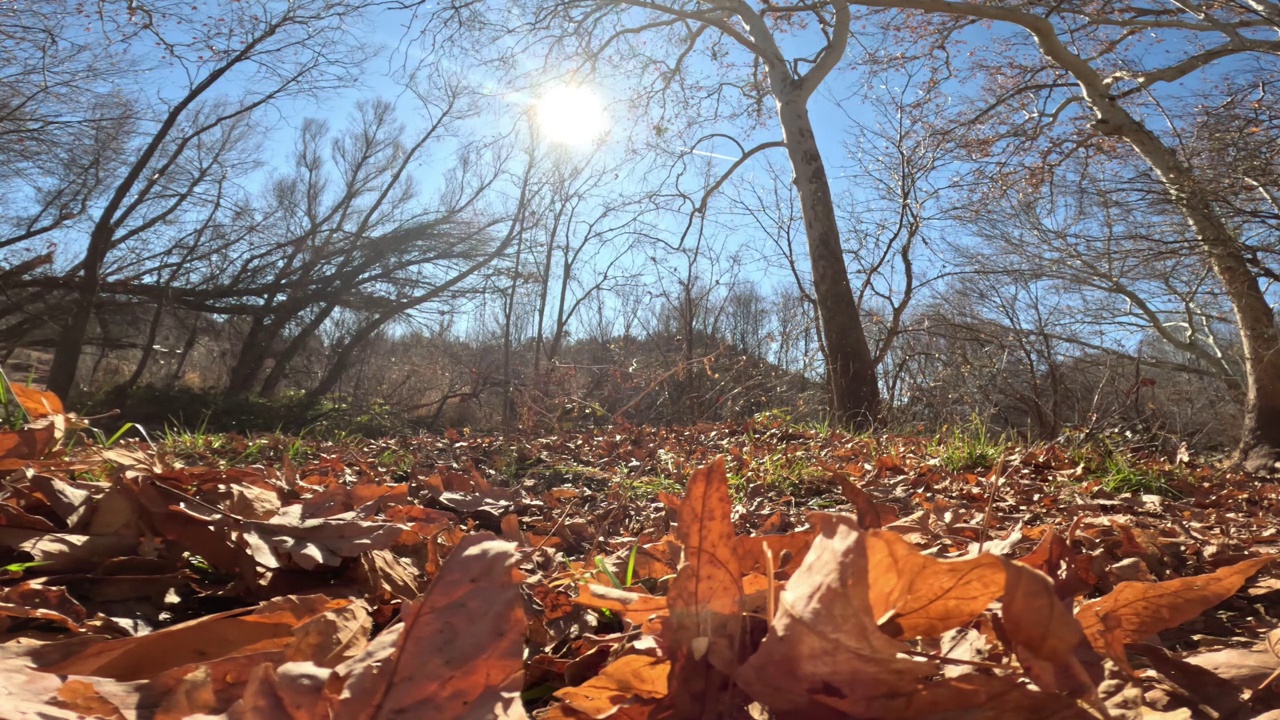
{"x": 1259, "y": 340}
{"x": 272, "y": 382}
{"x": 851, "y": 372}
{"x": 187, "y": 346}
{"x": 148, "y": 350}
{"x": 257, "y": 343}
{"x": 66, "y": 351}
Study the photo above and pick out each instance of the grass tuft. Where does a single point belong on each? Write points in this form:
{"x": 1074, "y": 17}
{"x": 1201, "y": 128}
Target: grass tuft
{"x": 971, "y": 447}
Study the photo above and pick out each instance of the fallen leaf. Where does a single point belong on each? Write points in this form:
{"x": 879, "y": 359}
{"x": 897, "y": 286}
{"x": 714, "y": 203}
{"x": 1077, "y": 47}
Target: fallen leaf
{"x": 913, "y": 595}
{"x": 620, "y": 683}
{"x": 704, "y": 632}
{"x": 295, "y": 690}
{"x": 824, "y": 653}
{"x": 67, "y": 552}
{"x": 788, "y": 550}
{"x": 27, "y": 444}
{"x": 268, "y": 627}
{"x": 460, "y": 654}
{"x": 1246, "y": 667}
{"x": 1221, "y": 694}
{"x": 974, "y": 697}
{"x": 1035, "y": 618}
{"x": 636, "y": 607}
{"x": 37, "y": 403}
{"x": 865, "y": 505}
{"x": 1134, "y": 611}
{"x": 1047, "y": 639}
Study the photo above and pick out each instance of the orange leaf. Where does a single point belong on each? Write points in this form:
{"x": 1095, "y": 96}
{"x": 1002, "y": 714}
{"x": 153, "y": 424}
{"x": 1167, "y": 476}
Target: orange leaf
{"x": 868, "y": 513}
{"x": 270, "y": 627}
{"x": 619, "y": 683}
{"x": 460, "y": 653}
{"x": 915, "y": 595}
{"x": 1135, "y": 610}
{"x": 28, "y": 444}
{"x": 1035, "y": 618}
{"x": 788, "y": 550}
{"x": 635, "y": 607}
{"x": 704, "y": 633}
{"x": 824, "y": 649}
{"x": 37, "y": 403}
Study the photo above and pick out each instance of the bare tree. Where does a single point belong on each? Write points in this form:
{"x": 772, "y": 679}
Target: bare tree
{"x": 746, "y": 46}
{"x": 273, "y": 50}
{"x": 1094, "y": 55}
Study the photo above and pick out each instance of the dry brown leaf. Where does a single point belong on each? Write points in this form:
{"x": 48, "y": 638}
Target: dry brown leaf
{"x": 620, "y": 683}
{"x": 269, "y": 627}
{"x": 1197, "y": 680}
{"x": 33, "y": 600}
{"x": 865, "y": 505}
{"x": 27, "y": 444}
{"x": 64, "y": 498}
{"x": 26, "y": 693}
{"x": 788, "y": 550}
{"x": 37, "y": 403}
{"x": 913, "y": 595}
{"x": 1035, "y": 618}
{"x": 66, "y": 552}
{"x": 460, "y": 654}
{"x": 1045, "y": 636}
{"x": 387, "y": 577}
{"x": 293, "y": 691}
{"x": 824, "y": 653}
{"x": 1072, "y": 572}
{"x": 332, "y": 637}
{"x": 250, "y": 502}
{"x": 704, "y": 631}
{"x": 635, "y": 607}
{"x": 312, "y": 543}
{"x": 1134, "y": 611}
{"x": 977, "y": 697}
{"x": 366, "y": 675}
{"x": 1247, "y": 667}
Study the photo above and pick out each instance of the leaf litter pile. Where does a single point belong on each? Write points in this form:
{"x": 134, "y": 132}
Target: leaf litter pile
{"x": 622, "y": 573}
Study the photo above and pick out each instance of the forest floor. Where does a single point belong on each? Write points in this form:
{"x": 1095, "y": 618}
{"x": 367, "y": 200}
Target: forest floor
{"x": 746, "y": 570}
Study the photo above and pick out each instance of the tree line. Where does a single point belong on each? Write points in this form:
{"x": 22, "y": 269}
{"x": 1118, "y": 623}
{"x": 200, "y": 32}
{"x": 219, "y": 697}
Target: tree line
{"x": 901, "y": 212}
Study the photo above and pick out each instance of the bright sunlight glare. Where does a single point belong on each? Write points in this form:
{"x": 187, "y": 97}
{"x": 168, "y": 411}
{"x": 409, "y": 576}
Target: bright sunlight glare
{"x": 570, "y": 115}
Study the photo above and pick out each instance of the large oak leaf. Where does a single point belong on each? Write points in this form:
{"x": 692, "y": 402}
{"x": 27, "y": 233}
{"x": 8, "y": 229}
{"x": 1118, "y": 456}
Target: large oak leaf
{"x": 824, "y": 655}
{"x": 460, "y": 653}
{"x": 1136, "y": 610}
{"x": 914, "y": 595}
{"x": 704, "y": 632}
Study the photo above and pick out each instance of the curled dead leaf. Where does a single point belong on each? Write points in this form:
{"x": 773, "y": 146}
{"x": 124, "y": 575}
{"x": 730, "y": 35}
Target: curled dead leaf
{"x": 268, "y": 627}
{"x": 704, "y": 632}
{"x": 620, "y": 683}
{"x": 914, "y": 595}
{"x": 460, "y": 654}
{"x": 824, "y": 653}
{"x": 1134, "y": 611}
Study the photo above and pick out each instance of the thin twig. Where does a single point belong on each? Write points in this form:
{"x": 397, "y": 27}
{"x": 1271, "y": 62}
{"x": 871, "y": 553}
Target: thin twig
{"x": 997, "y": 474}
{"x": 556, "y": 527}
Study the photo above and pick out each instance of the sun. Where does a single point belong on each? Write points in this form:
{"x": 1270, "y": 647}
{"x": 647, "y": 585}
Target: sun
{"x": 570, "y": 115}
